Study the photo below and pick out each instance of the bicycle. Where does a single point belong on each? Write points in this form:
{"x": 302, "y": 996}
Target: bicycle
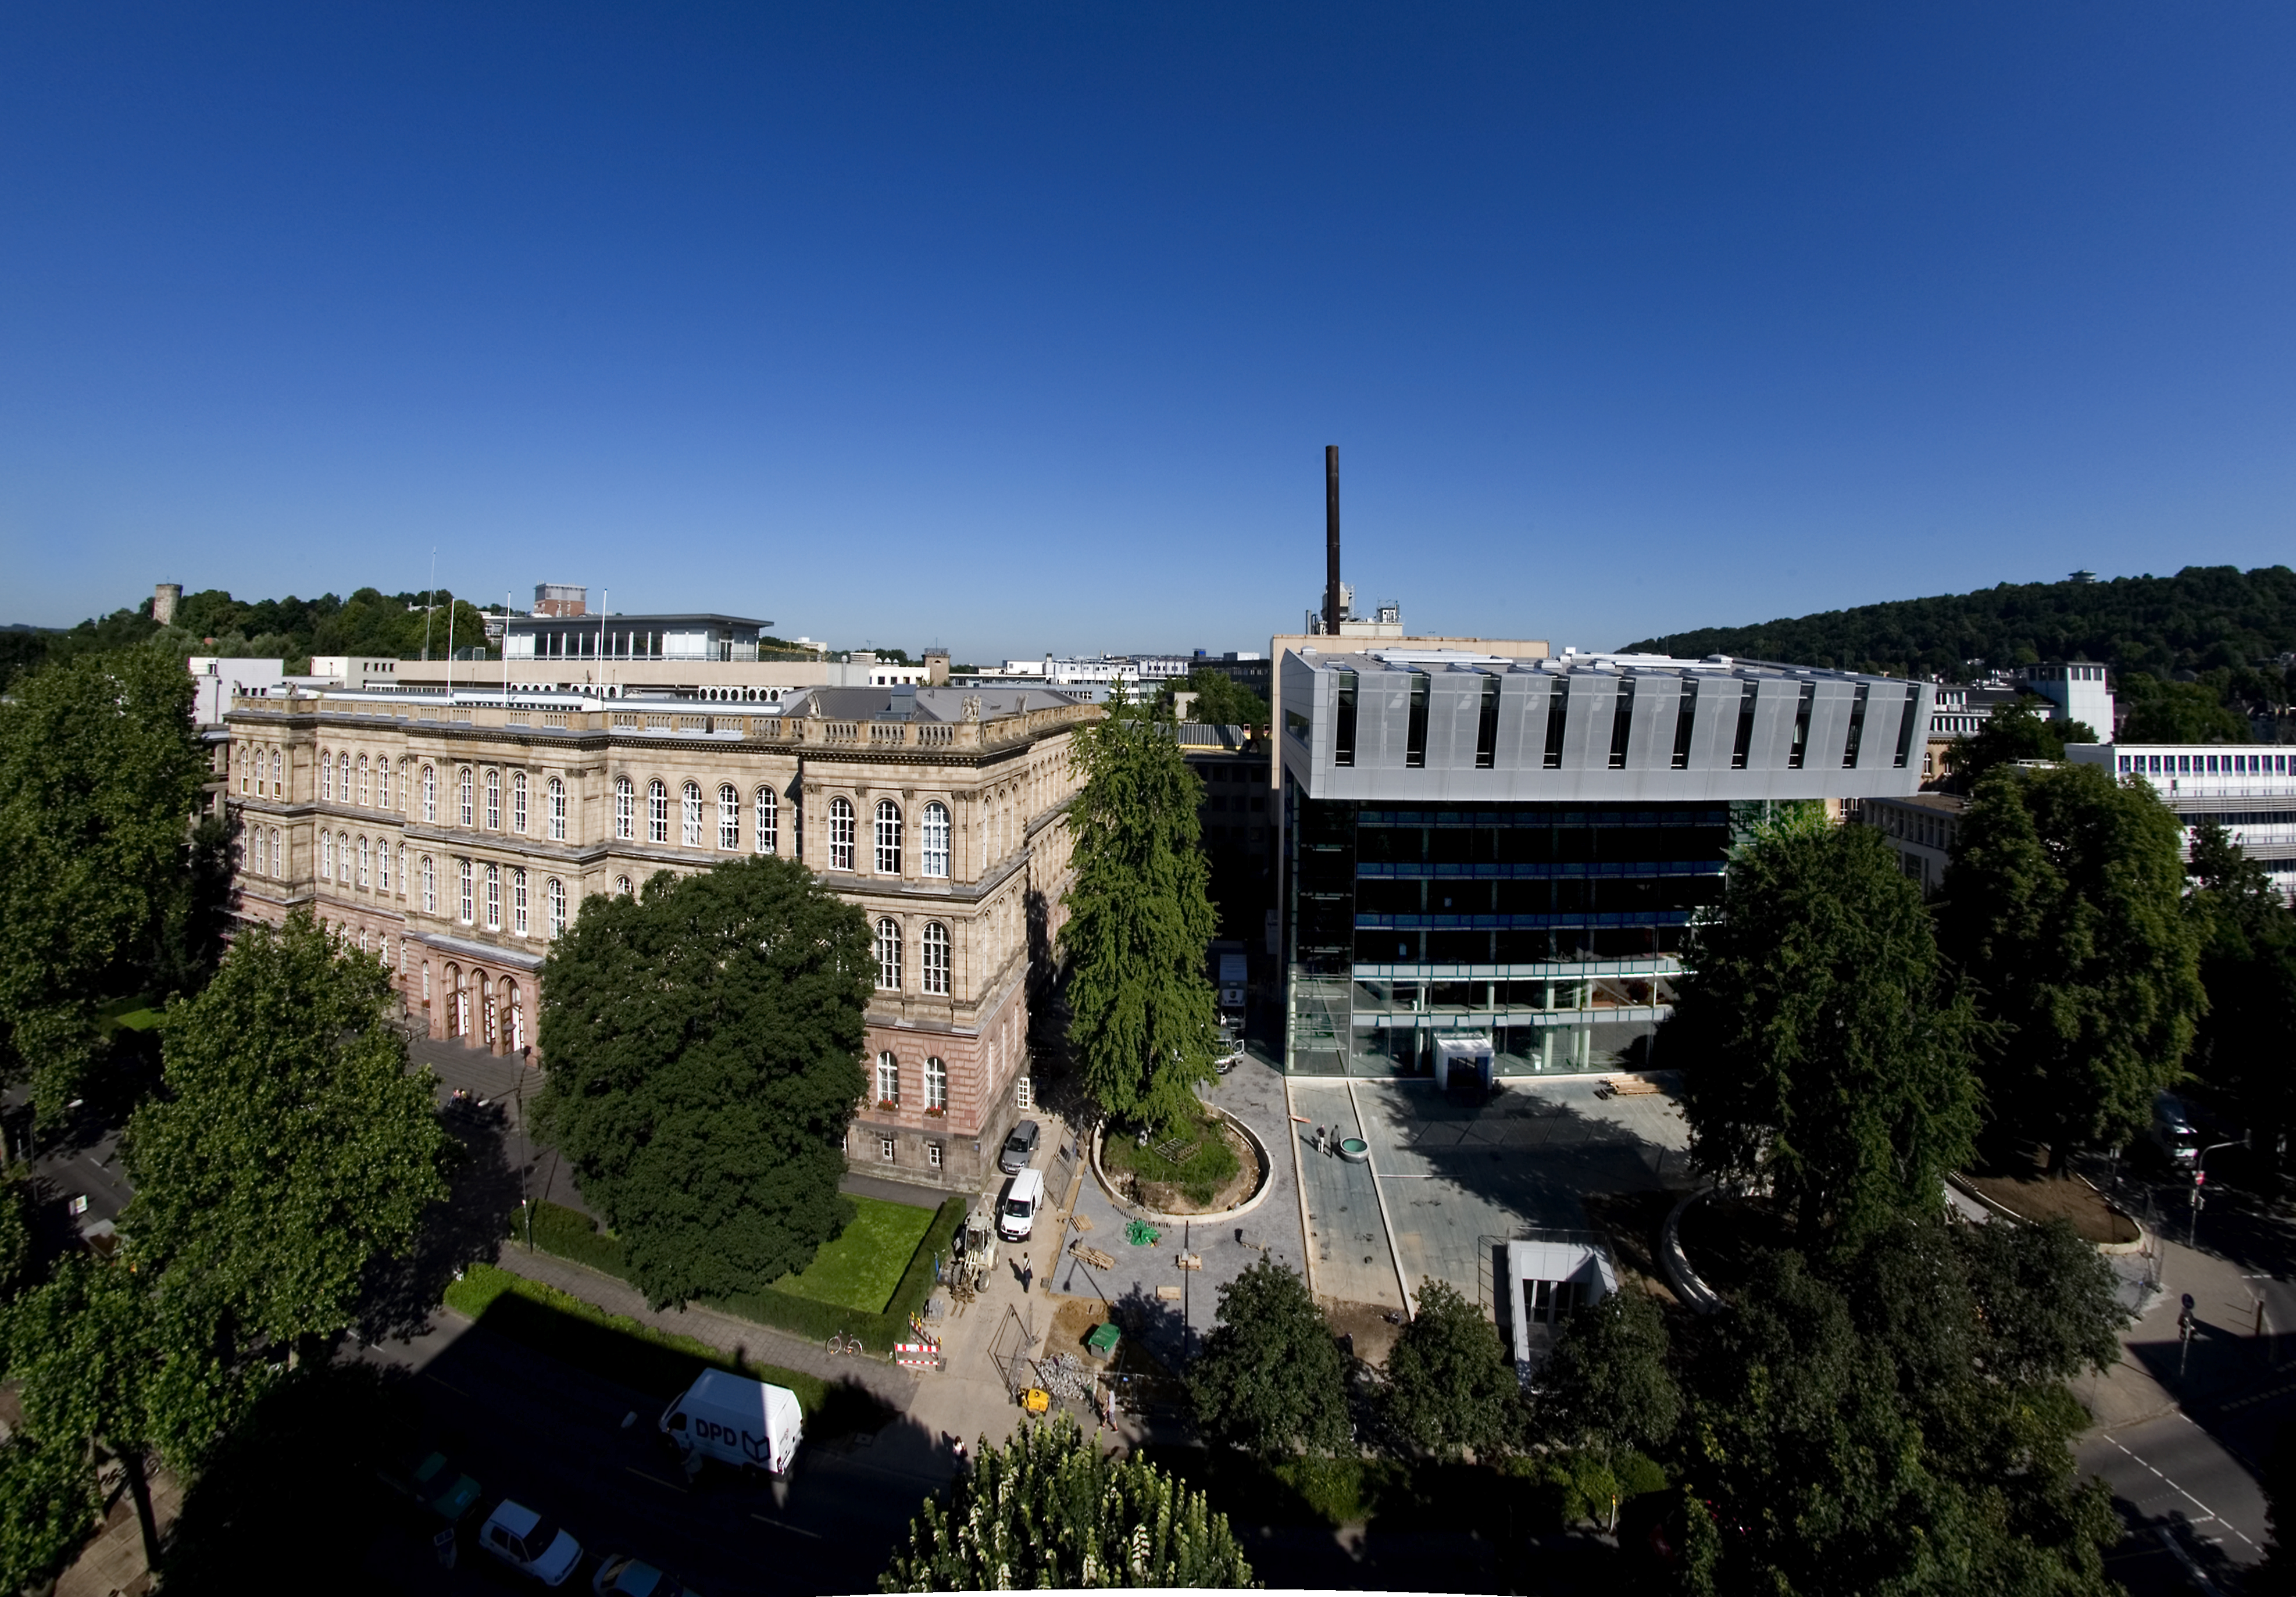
{"x": 841, "y": 1343}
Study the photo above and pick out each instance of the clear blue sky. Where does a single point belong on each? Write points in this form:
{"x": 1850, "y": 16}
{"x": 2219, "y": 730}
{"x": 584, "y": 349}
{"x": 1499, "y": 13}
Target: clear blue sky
{"x": 1016, "y": 327}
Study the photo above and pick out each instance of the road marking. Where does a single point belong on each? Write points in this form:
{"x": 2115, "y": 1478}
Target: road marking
{"x": 2206, "y": 1511}
{"x": 784, "y": 1525}
{"x": 449, "y": 1385}
{"x": 657, "y": 1480}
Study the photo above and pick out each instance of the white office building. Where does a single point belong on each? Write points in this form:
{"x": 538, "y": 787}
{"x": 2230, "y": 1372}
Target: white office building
{"x": 2249, "y": 791}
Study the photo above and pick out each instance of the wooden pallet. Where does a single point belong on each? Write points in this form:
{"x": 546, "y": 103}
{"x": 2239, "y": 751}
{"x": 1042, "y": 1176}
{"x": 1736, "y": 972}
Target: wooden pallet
{"x": 1629, "y": 1086}
{"x": 1081, "y": 1222}
{"x": 1192, "y": 1261}
{"x": 1093, "y": 1257}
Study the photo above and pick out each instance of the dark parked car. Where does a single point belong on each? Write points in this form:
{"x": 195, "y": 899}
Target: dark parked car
{"x": 1019, "y": 1148}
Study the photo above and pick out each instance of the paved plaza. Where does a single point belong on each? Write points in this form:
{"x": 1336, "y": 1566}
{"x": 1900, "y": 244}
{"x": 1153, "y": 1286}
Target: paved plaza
{"x": 1446, "y": 1181}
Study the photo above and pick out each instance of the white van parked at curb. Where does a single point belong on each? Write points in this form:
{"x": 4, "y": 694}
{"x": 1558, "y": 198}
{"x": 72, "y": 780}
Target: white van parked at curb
{"x": 735, "y": 1420}
{"x": 1016, "y": 1211}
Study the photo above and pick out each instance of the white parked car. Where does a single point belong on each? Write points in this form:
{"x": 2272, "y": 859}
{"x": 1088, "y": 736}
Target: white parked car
{"x": 621, "y": 1576}
{"x": 530, "y": 1543}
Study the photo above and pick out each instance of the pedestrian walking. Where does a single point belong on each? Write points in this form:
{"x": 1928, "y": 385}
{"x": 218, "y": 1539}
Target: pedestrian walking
{"x": 1028, "y": 1276}
{"x": 1319, "y": 1139}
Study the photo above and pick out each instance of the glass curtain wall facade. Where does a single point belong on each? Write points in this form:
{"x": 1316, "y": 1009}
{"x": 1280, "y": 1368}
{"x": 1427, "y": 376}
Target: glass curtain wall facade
{"x": 1553, "y": 929}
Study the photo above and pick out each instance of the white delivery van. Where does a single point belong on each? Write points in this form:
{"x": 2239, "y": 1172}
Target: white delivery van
{"x": 1016, "y": 1211}
{"x": 735, "y": 1420}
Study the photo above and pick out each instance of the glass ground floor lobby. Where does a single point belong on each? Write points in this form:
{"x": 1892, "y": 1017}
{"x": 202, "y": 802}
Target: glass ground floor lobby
{"x": 1556, "y": 932}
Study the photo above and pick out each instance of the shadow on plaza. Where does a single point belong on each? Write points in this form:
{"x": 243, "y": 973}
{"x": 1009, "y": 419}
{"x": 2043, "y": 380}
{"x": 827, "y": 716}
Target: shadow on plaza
{"x": 467, "y": 1228}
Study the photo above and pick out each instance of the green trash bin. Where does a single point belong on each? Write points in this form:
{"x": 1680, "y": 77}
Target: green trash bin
{"x": 1103, "y": 1340}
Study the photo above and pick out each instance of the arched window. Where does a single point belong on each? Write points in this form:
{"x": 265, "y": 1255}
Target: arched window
{"x": 494, "y": 800}
{"x": 494, "y": 898}
{"x": 326, "y": 776}
{"x": 398, "y": 798}
{"x": 622, "y": 886}
{"x": 889, "y": 838}
{"x": 768, "y": 824}
{"x": 430, "y": 793}
{"x": 932, "y": 841}
{"x": 464, "y": 875}
{"x": 889, "y": 1082}
{"x": 343, "y": 771}
{"x": 936, "y": 958}
{"x": 841, "y": 835}
{"x": 729, "y": 816}
{"x": 557, "y": 810}
{"x": 657, "y": 812}
{"x": 889, "y": 955}
{"x": 518, "y": 901}
{"x": 278, "y": 774}
{"x": 326, "y": 856}
{"x": 343, "y": 858}
{"x": 382, "y": 866}
{"x": 463, "y": 788}
{"x": 518, "y": 802}
{"x": 363, "y": 875}
{"x": 554, "y": 895}
{"x": 402, "y": 868}
{"x": 278, "y": 855}
{"x": 259, "y": 858}
{"x": 244, "y": 763}
{"x": 430, "y": 886}
{"x": 362, "y": 780}
{"x": 690, "y": 814}
{"x": 625, "y": 808}
{"x": 935, "y": 1088}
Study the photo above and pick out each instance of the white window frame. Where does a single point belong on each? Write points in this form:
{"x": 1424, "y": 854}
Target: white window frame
{"x": 468, "y": 879}
{"x": 326, "y": 856}
{"x": 430, "y": 792}
{"x": 889, "y": 1079}
{"x": 1024, "y": 1094}
{"x": 343, "y": 765}
{"x": 841, "y": 835}
{"x": 932, "y": 841}
{"x": 518, "y": 802}
{"x": 462, "y": 790}
{"x": 430, "y": 886}
{"x": 518, "y": 900}
{"x": 765, "y": 828}
{"x": 729, "y": 815}
{"x": 326, "y": 777}
{"x": 362, "y": 789}
{"x": 383, "y": 865}
{"x": 557, "y": 806}
{"x": 888, "y": 853}
{"x": 936, "y": 1085}
{"x": 626, "y": 805}
{"x": 278, "y": 852}
{"x": 889, "y": 955}
{"x": 933, "y": 960}
{"x": 657, "y": 811}
{"x": 494, "y": 897}
{"x": 363, "y": 877}
{"x": 554, "y": 896}
{"x": 885, "y": 1147}
{"x": 494, "y": 800}
{"x": 689, "y": 805}
{"x": 622, "y": 886}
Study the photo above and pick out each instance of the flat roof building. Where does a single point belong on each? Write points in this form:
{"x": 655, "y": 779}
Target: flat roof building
{"x": 1479, "y": 842}
{"x": 2250, "y": 791}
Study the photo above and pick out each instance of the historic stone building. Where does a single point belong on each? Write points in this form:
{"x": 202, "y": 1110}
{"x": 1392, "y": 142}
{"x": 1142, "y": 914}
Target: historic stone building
{"x": 453, "y": 839}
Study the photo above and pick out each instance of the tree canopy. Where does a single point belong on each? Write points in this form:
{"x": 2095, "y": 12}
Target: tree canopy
{"x": 1047, "y": 1509}
{"x": 2063, "y": 906}
{"x": 100, "y": 775}
{"x": 2248, "y": 968}
{"x": 2015, "y": 730}
{"x": 704, "y": 1044}
{"x": 1144, "y": 1020}
{"x": 291, "y": 1147}
{"x": 1833, "y": 1062}
{"x": 2204, "y": 619}
{"x": 1221, "y": 700}
{"x": 1451, "y": 1383}
{"x": 1269, "y": 1379}
{"x": 2194, "y": 712}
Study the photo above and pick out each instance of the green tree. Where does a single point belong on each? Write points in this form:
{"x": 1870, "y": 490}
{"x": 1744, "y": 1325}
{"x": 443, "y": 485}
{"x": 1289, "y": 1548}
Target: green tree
{"x": 2276, "y": 1576}
{"x": 1833, "y": 1064}
{"x": 1450, "y": 1381}
{"x": 1144, "y": 1020}
{"x": 1269, "y": 1379}
{"x": 2178, "y": 712}
{"x": 2248, "y": 968}
{"x": 704, "y": 1044}
{"x": 1608, "y": 1383}
{"x": 2063, "y": 905}
{"x": 15, "y": 1240}
{"x": 1221, "y": 700}
{"x": 2018, "y": 730}
{"x": 99, "y": 777}
{"x": 291, "y": 1148}
{"x": 1047, "y": 1509}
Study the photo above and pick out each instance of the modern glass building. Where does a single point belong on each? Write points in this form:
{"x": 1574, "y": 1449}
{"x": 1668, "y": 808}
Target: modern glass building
{"x": 1480, "y": 846}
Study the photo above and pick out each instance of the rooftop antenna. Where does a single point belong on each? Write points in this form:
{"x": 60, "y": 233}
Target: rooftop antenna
{"x": 450, "y": 649}
{"x": 1332, "y": 539}
{"x": 506, "y": 598}
{"x": 431, "y": 602}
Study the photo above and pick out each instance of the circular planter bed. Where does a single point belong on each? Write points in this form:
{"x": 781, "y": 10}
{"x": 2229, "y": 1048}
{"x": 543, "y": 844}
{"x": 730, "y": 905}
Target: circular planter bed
{"x": 1160, "y": 1200}
{"x": 1355, "y": 1150}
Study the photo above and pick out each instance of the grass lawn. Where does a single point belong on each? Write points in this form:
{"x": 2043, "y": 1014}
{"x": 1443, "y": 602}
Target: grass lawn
{"x": 860, "y": 1269}
{"x": 1206, "y": 1162}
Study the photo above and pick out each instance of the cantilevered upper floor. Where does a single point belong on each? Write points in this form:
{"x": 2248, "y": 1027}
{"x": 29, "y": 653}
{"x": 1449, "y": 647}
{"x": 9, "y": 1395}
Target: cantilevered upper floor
{"x": 1439, "y": 726}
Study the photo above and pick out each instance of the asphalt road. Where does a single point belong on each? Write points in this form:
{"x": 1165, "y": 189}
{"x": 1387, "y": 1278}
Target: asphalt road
{"x": 530, "y": 1427}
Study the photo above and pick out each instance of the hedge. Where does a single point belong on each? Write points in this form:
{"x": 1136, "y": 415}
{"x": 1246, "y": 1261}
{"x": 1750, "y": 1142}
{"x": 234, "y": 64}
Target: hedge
{"x": 571, "y": 1234}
